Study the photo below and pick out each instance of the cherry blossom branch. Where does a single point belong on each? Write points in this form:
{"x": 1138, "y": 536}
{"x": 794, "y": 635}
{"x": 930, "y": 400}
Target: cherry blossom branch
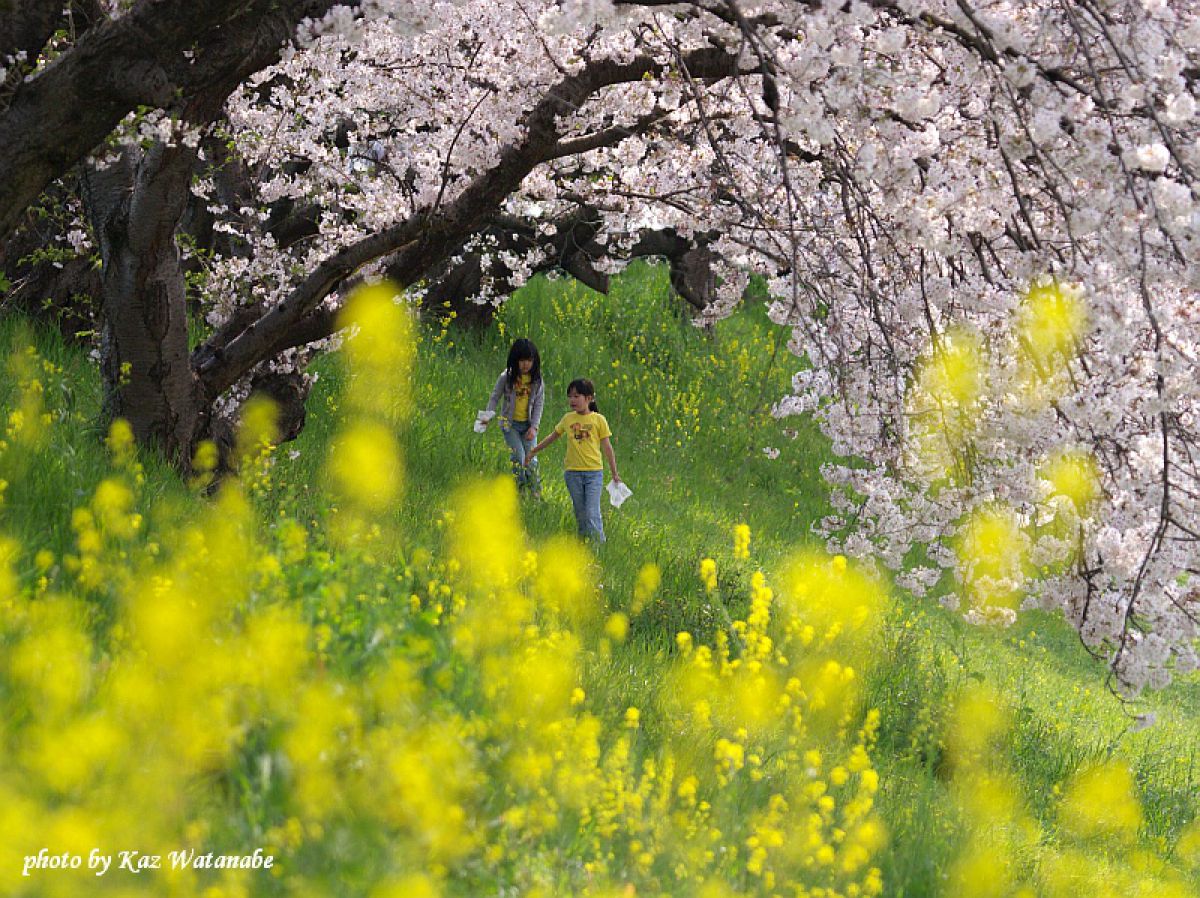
{"x": 419, "y": 242}
{"x": 138, "y": 59}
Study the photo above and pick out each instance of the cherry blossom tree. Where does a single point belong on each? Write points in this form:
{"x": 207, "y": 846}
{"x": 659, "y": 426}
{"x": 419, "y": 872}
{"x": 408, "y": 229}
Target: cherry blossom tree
{"x": 1003, "y": 209}
{"x": 914, "y": 178}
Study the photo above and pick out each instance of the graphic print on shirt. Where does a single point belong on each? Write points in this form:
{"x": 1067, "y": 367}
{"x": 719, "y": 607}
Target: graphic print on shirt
{"x": 581, "y": 431}
{"x": 522, "y": 392}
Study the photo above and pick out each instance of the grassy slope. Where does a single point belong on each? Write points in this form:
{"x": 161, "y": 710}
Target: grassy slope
{"x": 687, "y": 411}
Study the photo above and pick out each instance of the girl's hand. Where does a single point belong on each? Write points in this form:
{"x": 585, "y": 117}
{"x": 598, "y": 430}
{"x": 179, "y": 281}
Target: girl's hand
{"x": 616, "y": 477}
{"x": 532, "y": 434}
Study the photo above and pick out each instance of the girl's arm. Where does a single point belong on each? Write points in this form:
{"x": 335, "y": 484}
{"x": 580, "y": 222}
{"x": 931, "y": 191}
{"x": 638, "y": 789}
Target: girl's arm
{"x": 554, "y": 435}
{"x": 607, "y": 449}
{"x": 496, "y": 391}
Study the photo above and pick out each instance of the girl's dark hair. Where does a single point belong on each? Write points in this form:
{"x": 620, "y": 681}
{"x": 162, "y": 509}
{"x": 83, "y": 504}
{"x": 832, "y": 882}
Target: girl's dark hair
{"x": 524, "y": 349}
{"x": 584, "y": 387}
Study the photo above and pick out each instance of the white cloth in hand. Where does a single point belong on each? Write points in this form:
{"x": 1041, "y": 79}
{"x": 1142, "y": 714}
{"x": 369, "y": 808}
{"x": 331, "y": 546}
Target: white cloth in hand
{"x": 482, "y": 419}
{"x": 618, "y": 492}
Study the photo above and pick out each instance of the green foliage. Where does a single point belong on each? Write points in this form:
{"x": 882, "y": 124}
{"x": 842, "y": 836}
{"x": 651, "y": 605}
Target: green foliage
{"x": 687, "y": 409}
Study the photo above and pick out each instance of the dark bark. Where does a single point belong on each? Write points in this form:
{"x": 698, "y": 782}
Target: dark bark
{"x": 450, "y": 294}
{"x": 233, "y": 187}
{"x": 57, "y": 118}
{"x": 693, "y": 277}
{"x": 26, "y": 25}
{"x": 572, "y": 249}
{"x": 289, "y": 392}
{"x": 63, "y": 295}
{"x": 135, "y": 205}
{"x": 290, "y": 223}
{"x": 568, "y": 245}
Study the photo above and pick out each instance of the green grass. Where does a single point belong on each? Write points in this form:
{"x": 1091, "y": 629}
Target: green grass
{"x": 44, "y": 488}
{"x": 689, "y": 414}
{"x": 688, "y": 410}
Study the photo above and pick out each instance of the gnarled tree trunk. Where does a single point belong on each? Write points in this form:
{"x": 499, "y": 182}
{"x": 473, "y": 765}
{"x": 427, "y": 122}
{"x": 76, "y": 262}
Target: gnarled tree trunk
{"x": 135, "y": 205}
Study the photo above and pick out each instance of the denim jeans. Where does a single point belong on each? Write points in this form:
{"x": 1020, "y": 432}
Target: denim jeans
{"x": 585, "y": 488}
{"x": 516, "y": 435}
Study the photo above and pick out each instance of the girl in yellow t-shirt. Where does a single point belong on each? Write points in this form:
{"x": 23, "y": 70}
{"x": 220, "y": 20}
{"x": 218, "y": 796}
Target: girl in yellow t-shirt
{"x": 588, "y": 434}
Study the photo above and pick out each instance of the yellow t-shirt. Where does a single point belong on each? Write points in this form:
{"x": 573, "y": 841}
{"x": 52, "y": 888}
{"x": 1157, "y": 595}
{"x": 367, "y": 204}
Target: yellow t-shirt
{"x": 584, "y": 433}
{"x": 522, "y": 390}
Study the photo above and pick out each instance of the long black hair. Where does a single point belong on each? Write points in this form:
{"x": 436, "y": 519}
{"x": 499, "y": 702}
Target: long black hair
{"x": 584, "y": 387}
{"x": 524, "y": 349}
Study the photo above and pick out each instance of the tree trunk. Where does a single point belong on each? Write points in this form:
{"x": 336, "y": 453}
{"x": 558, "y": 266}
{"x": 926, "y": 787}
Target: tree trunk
{"x": 135, "y": 205}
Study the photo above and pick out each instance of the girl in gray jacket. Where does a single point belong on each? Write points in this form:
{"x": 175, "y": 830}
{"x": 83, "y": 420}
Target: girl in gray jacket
{"x": 521, "y": 394}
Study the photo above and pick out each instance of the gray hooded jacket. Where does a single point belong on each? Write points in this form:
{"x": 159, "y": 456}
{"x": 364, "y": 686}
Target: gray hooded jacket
{"x": 537, "y": 399}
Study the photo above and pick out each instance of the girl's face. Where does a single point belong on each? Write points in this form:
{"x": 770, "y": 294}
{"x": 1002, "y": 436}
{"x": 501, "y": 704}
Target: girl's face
{"x": 524, "y": 366}
{"x": 578, "y": 402}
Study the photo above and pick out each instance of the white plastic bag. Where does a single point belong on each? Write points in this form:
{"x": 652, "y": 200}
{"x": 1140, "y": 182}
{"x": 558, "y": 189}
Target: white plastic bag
{"x": 482, "y": 419}
{"x": 618, "y": 492}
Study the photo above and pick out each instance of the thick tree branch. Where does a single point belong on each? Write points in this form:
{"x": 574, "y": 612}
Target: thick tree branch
{"x": 141, "y": 58}
{"x": 422, "y": 241}
{"x": 609, "y": 137}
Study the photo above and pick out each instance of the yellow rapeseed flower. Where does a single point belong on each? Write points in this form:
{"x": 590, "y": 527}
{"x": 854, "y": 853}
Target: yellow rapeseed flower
{"x": 617, "y": 626}
{"x": 978, "y": 722}
{"x": 953, "y": 376}
{"x": 1051, "y": 321}
{"x": 486, "y": 533}
{"x": 365, "y": 466}
{"x": 52, "y": 665}
{"x": 741, "y": 541}
{"x": 293, "y": 540}
{"x": 257, "y": 429}
{"x": 648, "y": 580}
{"x": 112, "y": 503}
{"x": 536, "y": 685}
{"x": 1102, "y": 801}
{"x": 9, "y": 551}
{"x": 564, "y": 580}
{"x": 1187, "y": 849}
{"x": 380, "y": 351}
{"x": 414, "y": 885}
{"x": 841, "y": 604}
{"x": 944, "y": 405}
{"x": 992, "y": 550}
{"x": 1075, "y": 476}
{"x": 120, "y": 442}
{"x": 980, "y": 872}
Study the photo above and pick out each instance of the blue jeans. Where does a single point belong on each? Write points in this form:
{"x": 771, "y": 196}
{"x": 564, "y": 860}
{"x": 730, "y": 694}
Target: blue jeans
{"x": 516, "y": 435}
{"x": 585, "y": 488}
